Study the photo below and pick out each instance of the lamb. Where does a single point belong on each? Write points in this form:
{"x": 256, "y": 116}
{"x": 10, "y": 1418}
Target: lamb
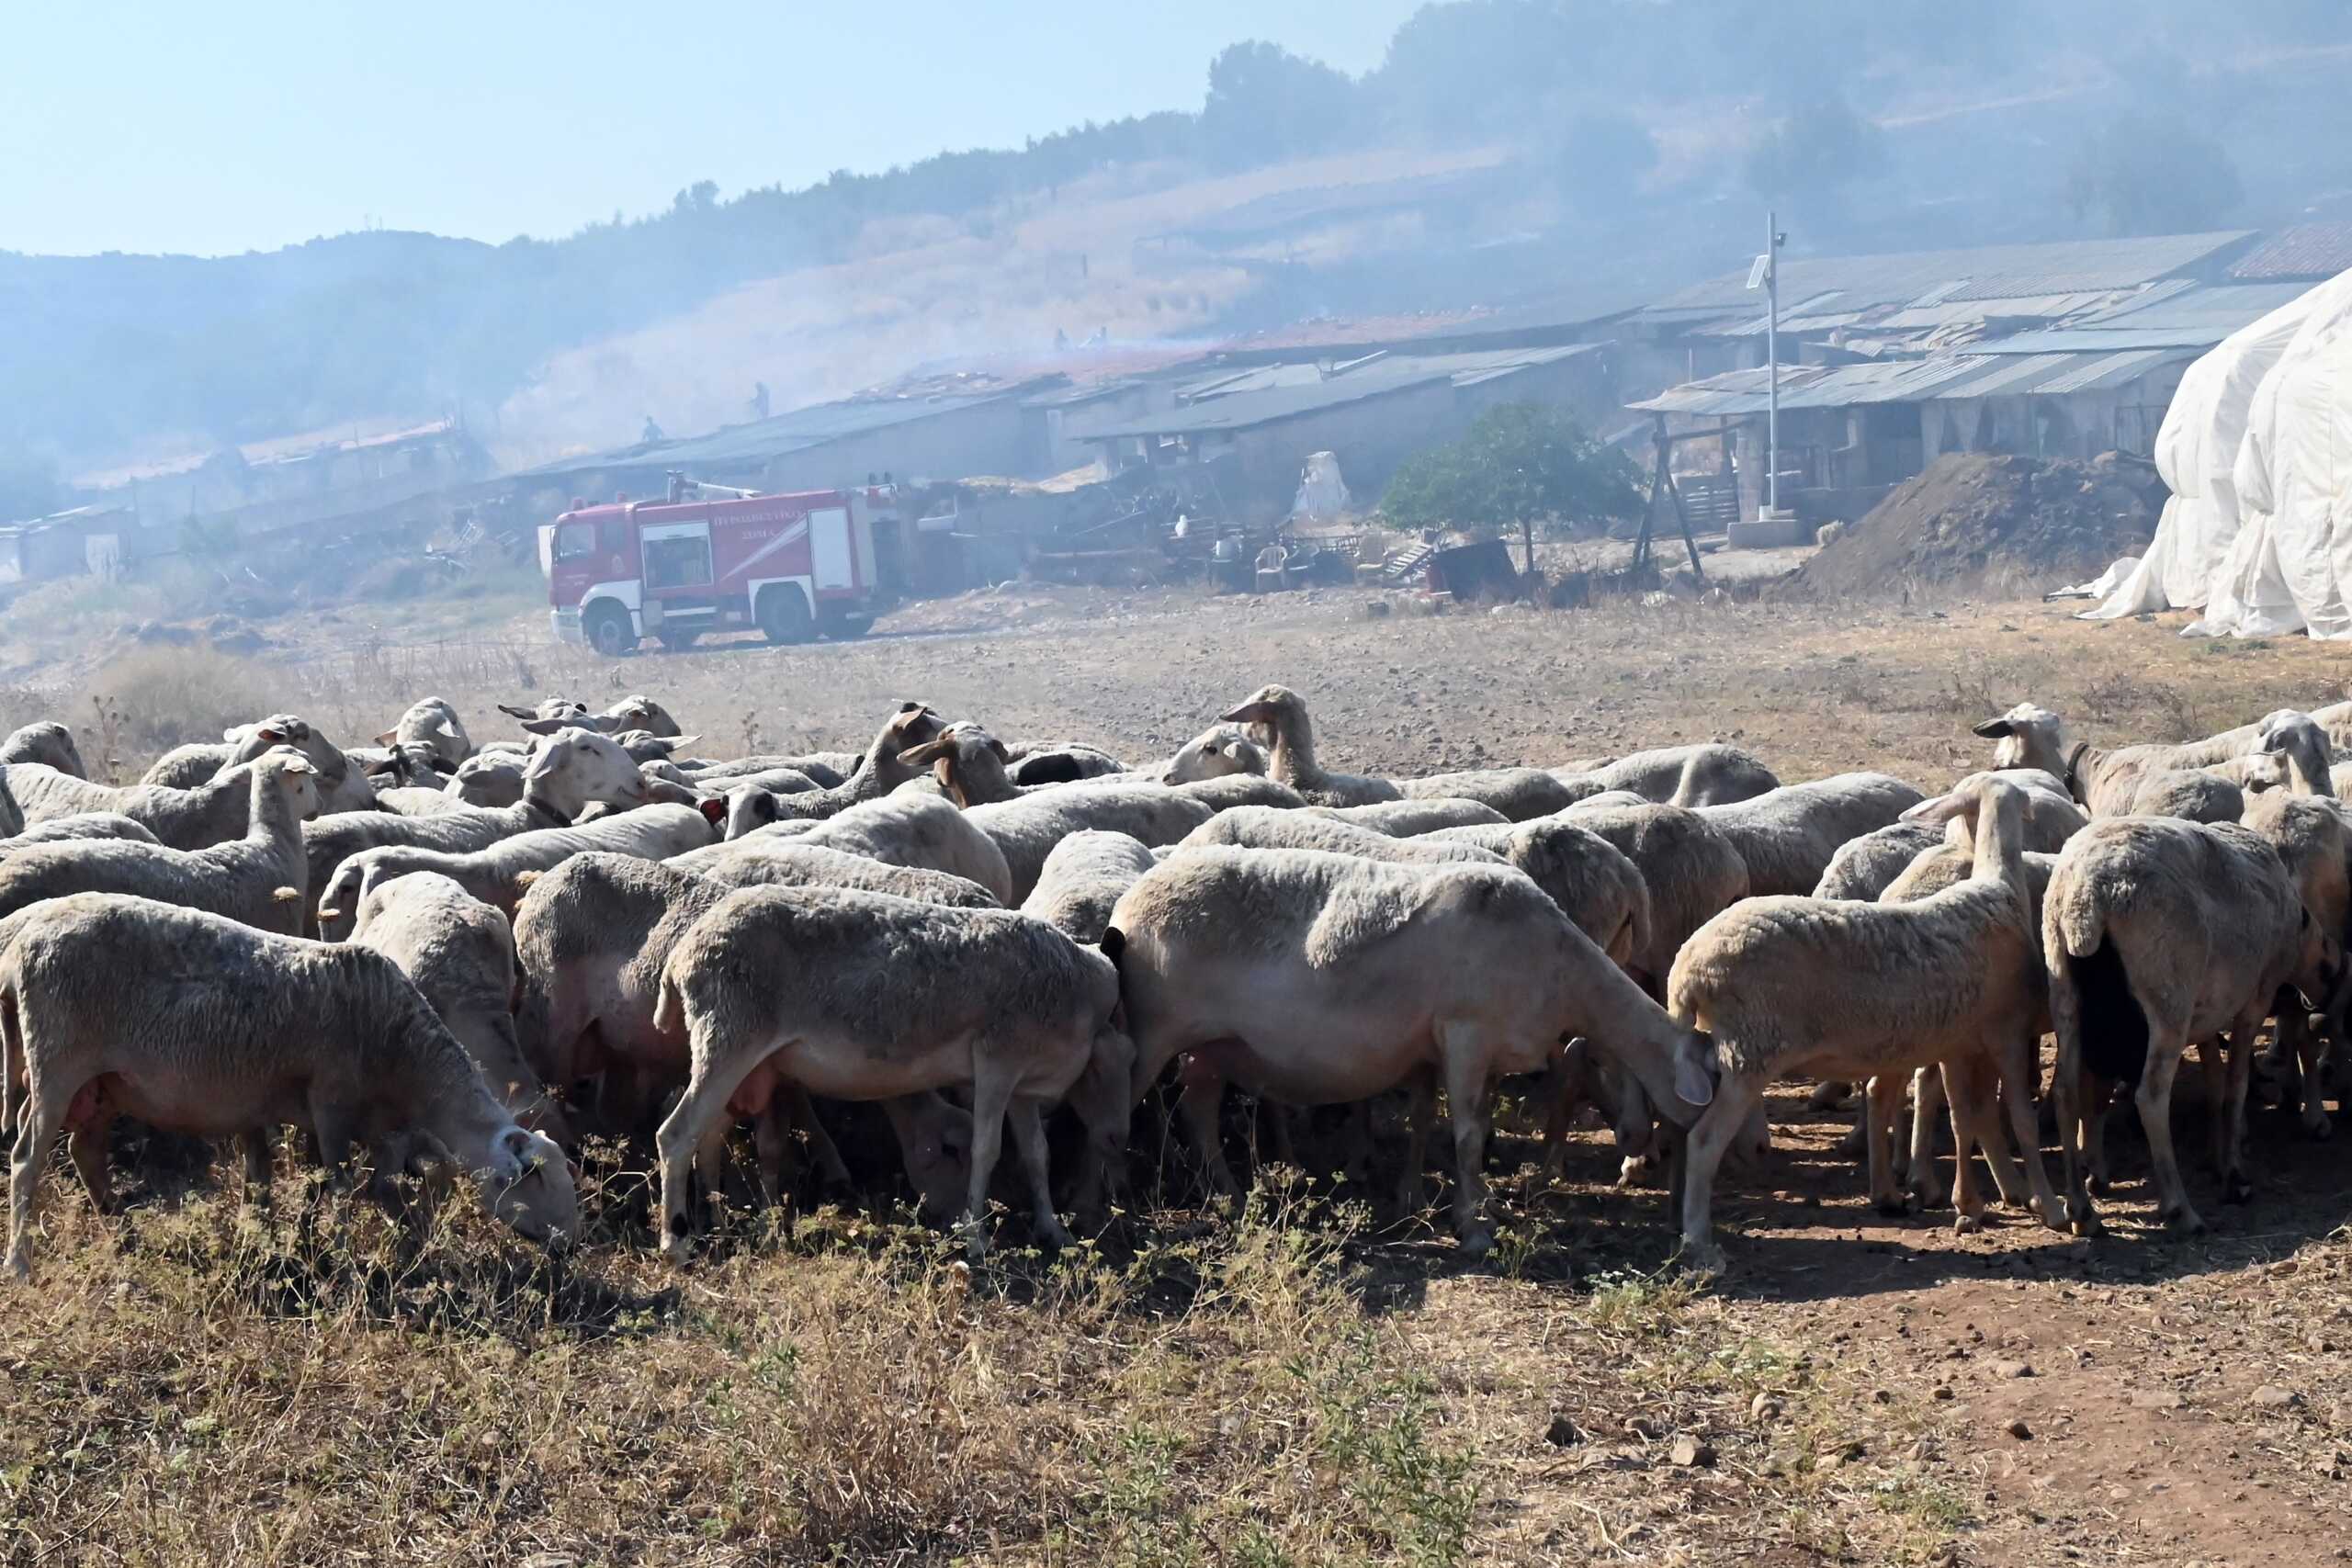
{"x": 495, "y": 873}
{"x": 48, "y": 742}
{"x": 258, "y": 879}
{"x": 1409, "y": 819}
{"x": 591, "y": 940}
{"x": 1701, "y": 774}
{"x": 2159, "y": 932}
{"x": 1282, "y": 712}
{"x": 899, "y": 829}
{"x": 213, "y": 813}
{"x": 1086, "y": 875}
{"x": 564, "y": 775}
{"x": 120, "y": 1006}
{"x": 1787, "y": 838}
{"x": 1323, "y": 980}
{"x": 860, "y": 996}
{"x": 1027, "y": 829}
{"x": 459, "y": 955}
{"x": 185, "y": 767}
{"x": 433, "y": 722}
{"x": 881, "y": 771}
{"x": 1952, "y": 980}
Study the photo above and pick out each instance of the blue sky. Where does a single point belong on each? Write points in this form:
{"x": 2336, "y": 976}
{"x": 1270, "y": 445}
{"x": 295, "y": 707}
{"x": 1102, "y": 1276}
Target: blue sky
{"x": 238, "y": 125}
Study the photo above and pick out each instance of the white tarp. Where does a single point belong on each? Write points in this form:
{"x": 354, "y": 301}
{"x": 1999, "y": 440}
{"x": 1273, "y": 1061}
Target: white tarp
{"x": 2201, "y": 535}
{"x": 1322, "y": 494}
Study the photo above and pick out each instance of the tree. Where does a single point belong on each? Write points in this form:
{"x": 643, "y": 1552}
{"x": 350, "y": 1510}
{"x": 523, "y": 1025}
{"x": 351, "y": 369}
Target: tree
{"x": 1597, "y": 159}
{"x": 2148, "y": 173}
{"x": 1266, "y": 103}
{"x": 1522, "y": 464}
{"x": 1814, "y": 152}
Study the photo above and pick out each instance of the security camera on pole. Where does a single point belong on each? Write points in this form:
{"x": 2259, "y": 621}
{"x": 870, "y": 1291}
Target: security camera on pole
{"x": 1774, "y": 524}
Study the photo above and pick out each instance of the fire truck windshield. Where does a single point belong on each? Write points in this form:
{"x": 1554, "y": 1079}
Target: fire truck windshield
{"x": 574, "y": 540}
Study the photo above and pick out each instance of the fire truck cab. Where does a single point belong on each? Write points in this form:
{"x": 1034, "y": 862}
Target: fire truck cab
{"x": 712, "y": 558}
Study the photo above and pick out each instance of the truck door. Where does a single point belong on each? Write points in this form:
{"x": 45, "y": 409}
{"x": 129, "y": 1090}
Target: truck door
{"x": 677, "y": 557}
{"x": 831, "y": 560}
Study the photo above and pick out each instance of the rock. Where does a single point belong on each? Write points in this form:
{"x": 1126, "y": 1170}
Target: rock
{"x": 2019, "y": 1430}
{"x": 2012, "y": 1369}
{"x": 1561, "y": 1433}
{"x": 1765, "y": 1409}
{"x": 1378, "y": 609}
{"x": 1843, "y": 1454}
{"x": 1941, "y": 1390}
{"x": 1690, "y": 1453}
{"x": 2271, "y": 1397}
{"x": 2158, "y": 1399}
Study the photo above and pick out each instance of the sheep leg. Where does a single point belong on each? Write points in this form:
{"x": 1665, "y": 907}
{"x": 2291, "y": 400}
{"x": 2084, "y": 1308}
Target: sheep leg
{"x": 991, "y": 1096}
{"x": 253, "y": 1145}
{"x": 1701, "y": 1153}
{"x": 1881, "y": 1097}
{"x": 683, "y": 1132}
{"x": 1465, "y": 1099}
{"x": 1029, "y": 1137}
{"x": 712, "y": 1165}
{"x": 2153, "y": 1097}
{"x": 772, "y": 1154}
{"x": 2099, "y": 1098}
{"x": 2070, "y": 1086}
{"x": 2210, "y": 1061}
{"x": 2236, "y": 1187}
{"x": 1929, "y": 1104}
{"x": 1422, "y": 1087}
{"x": 86, "y": 1140}
{"x": 41, "y": 1112}
{"x": 1564, "y": 1098}
{"x": 2301, "y": 1041}
{"x": 822, "y": 1148}
{"x": 2020, "y": 1069}
{"x": 1829, "y": 1094}
{"x": 1199, "y": 1104}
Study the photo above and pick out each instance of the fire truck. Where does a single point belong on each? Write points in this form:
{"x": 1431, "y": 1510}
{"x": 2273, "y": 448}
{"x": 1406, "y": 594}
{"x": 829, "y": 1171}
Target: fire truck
{"x": 712, "y": 558}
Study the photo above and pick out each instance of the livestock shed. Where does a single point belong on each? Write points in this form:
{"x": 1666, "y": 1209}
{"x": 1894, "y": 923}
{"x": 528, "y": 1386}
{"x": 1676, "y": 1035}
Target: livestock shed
{"x": 1259, "y": 425}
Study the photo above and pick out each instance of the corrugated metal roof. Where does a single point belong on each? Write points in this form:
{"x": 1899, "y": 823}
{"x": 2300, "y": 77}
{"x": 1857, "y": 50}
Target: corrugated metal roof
{"x": 762, "y": 439}
{"x": 1271, "y": 392}
{"x": 1971, "y": 375}
{"x": 2226, "y": 307}
{"x": 2313, "y": 251}
{"x": 1992, "y": 272}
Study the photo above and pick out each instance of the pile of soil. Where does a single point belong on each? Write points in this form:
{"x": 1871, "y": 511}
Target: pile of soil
{"x": 1985, "y": 519}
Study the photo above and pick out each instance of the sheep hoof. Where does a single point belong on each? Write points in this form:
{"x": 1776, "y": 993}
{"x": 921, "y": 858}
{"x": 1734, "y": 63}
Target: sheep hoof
{"x": 1631, "y": 1169}
{"x": 2236, "y": 1189}
{"x": 2183, "y": 1220}
{"x": 2086, "y": 1223}
{"x": 1703, "y": 1258}
{"x": 1967, "y": 1224}
{"x": 1924, "y": 1198}
{"x": 1894, "y": 1208}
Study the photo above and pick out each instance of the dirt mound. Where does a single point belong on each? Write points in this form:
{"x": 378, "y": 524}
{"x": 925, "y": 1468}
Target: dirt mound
{"x": 1973, "y": 520}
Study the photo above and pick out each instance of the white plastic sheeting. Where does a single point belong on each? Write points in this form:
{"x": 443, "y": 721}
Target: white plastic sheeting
{"x": 1322, "y": 494}
{"x": 2205, "y": 553}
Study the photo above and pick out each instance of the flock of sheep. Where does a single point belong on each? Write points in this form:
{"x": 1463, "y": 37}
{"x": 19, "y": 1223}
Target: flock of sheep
{"x": 465, "y": 959}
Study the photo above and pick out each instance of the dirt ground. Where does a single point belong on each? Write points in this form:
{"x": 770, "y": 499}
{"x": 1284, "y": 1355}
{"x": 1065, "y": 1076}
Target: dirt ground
{"x": 1856, "y": 1390}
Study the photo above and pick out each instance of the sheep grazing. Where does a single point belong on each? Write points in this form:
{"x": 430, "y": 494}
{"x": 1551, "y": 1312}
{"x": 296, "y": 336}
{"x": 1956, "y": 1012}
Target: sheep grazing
{"x": 1318, "y": 979}
{"x": 1027, "y": 829}
{"x": 1084, "y": 878}
{"x": 118, "y": 1006}
{"x": 48, "y": 743}
{"x": 2160, "y": 933}
{"x": 1951, "y": 980}
{"x": 431, "y": 722}
{"x": 1281, "y": 713}
{"x": 459, "y": 955}
{"x": 258, "y": 879}
{"x": 1217, "y": 752}
{"x": 591, "y": 939}
{"x": 563, "y": 776}
{"x": 211, "y": 813}
{"x": 860, "y": 996}
{"x": 880, "y": 772}
{"x": 1701, "y": 774}
{"x": 1788, "y": 836}
{"x": 899, "y": 829}
{"x": 1410, "y": 818}
{"x": 496, "y": 873}
{"x": 185, "y": 767}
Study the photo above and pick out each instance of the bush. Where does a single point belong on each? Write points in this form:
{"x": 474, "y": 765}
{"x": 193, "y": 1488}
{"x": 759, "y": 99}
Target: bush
{"x": 145, "y": 702}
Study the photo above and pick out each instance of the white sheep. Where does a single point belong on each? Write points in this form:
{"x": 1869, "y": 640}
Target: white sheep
{"x": 46, "y": 741}
{"x": 1220, "y": 751}
{"x": 431, "y": 722}
{"x": 861, "y": 996}
{"x": 210, "y": 814}
{"x": 258, "y": 879}
{"x": 2138, "y": 781}
{"x": 1410, "y": 818}
{"x": 1706, "y": 773}
{"x": 2160, "y": 933}
{"x": 496, "y": 873}
{"x": 1290, "y": 761}
{"x": 118, "y": 1006}
{"x": 1084, "y": 876}
{"x": 1808, "y": 987}
{"x": 878, "y": 773}
{"x": 899, "y": 829}
{"x": 460, "y": 953}
{"x": 1788, "y": 836}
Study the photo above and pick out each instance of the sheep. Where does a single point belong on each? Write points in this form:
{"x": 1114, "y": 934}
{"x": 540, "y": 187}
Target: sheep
{"x": 591, "y": 940}
{"x": 185, "y": 767}
{"x": 495, "y": 872}
{"x": 460, "y": 953}
{"x": 88, "y": 825}
{"x": 433, "y": 722}
{"x": 1224, "y": 793}
{"x": 488, "y": 779}
{"x": 1216, "y": 753}
{"x": 1283, "y": 713}
{"x": 2136, "y": 781}
{"x": 1862, "y": 868}
{"x": 876, "y": 775}
{"x": 1409, "y": 819}
{"x": 572, "y": 768}
{"x": 1084, "y": 876}
{"x": 1787, "y": 837}
{"x": 2313, "y": 838}
{"x": 1520, "y": 795}
{"x": 897, "y": 829}
{"x": 258, "y": 879}
{"x": 643, "y": 746}
{"x": 210, "y": 814}
{"x": 2157, "y": 934}
{"x": 828, "y": 769}
{"x": 1703, "y": 774}
{"x": 1060, "y": 761}
{"x": 1952, "y": 980}
{"x": 2292, "y": 753}
{"x": 970, "y": 765}
{"x": 1263, "y": 828}
{"x": 1609, "y": 800}
{"x": 635, "y": 711}
{"x": 789, "y": 862}
{"x": 1027, "y": 829}
{"x": 47, "y": 741}
{"x": 1593, "y": 882}
{"x": 1319, "y": 978}
{"x": 121, "y": 1006}
{"x": 861, "y": 996}
{"x": 407, "y": 801}
{"x": 412, "y": 764}
{"x": 2189, "y": 793}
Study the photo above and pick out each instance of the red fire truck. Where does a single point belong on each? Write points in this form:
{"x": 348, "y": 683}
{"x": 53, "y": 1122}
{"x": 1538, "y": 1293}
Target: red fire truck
{"x": 712, "y": 558}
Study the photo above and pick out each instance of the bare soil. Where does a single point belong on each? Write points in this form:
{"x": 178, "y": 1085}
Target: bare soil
{"x": 1293, "y": 1385}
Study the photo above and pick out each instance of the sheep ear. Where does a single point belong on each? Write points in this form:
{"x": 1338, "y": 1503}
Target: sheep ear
{"x": 1932, "y": 813}
{"x": 927, "y": 753}
{"x": 383, "y": 769}
{"x": 388, "y": 737}
{"x": 997, "y": 747}
{"x": 548, "y": 726}
{"x": 1249, "y": 713}
{"x": 445, "y": 729}
{"x": 1694, "y": 1068}
{"x": 425, "y": 1151}
{"x": 512, "y": 712}
{"x": 714, "y": 810}
{"x": 228, "y": 735}
{"x": 1994, "y": 728}
{"x": 673, "y": 744}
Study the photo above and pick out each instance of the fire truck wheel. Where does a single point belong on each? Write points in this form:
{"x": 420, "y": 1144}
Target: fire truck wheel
{"x": 608, "y": 632}
{"x": 783, "y": 615}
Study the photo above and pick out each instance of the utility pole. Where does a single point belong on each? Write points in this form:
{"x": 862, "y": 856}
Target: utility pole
{"x": 1772, "y": 359}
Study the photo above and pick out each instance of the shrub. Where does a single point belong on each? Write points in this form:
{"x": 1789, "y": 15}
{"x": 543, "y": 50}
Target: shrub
{"x": 145, "y": 702}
